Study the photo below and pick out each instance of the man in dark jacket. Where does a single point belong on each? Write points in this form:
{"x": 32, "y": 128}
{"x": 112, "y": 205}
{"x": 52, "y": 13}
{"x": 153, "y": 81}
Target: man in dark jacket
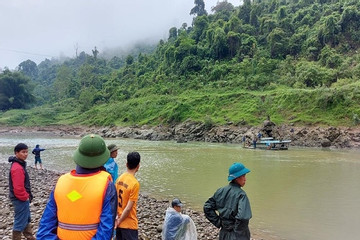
{"x": 229, "y": 207}
{"x": 20, "y": 193}
{"x": 36, "y": 151}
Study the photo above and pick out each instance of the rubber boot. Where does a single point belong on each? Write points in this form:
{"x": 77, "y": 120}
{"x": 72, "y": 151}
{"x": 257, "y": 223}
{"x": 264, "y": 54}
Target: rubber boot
{"x": 28, "y": 232}
{"x": 16, "y": 235}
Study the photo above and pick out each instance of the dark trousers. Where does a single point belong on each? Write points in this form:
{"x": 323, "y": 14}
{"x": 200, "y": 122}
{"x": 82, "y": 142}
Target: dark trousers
{"x": 126, "y": 234}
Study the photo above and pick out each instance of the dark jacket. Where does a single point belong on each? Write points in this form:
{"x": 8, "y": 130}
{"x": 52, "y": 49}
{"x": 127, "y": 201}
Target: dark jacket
{"x": 19, "y": 181}
{"x": 234, "y": 212}
{"x": 37, "y": 151}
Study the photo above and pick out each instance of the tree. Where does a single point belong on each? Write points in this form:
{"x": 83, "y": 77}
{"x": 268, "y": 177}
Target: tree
{"x": 64, "y": 84}
{"x": 310, "y": 74}
{"x": 329, "y": 30}
{"x": 199, "y": 8}
{"x": 172, "y": 33}
{"x": 219, "y": 43}
{"x": 281, "y": 14}
{"x": 350, "y": 22}
{"x": 248, "y": 45}
{"x": 329, "y": 57}
{"x": 278, "y": 43}
{"x": 234, "y": 42}
{"x": 245, "y": 10}
{"x": 129, "y": 60}
{"x": 15, "y": 90}
{"x": 95, "y": 52}
{"x": 76, "y": 47}
{"x": 223, "y": 10}
{"x": 254, "y": 21}
{"x": 200, "y": 25}
{"x": 186, "y": 47}
{"x": 29, "y": 68}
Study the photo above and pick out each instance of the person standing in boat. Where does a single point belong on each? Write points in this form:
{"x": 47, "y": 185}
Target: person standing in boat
{"x": 254, "y": 140}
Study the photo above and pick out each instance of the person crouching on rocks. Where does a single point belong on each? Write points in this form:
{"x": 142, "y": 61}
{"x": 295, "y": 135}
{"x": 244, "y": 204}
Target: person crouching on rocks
{"x": 83, "y": 203}
{"x": 178, "y": 226}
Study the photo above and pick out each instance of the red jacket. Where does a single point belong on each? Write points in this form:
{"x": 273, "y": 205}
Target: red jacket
{"x": 19, "y": 182}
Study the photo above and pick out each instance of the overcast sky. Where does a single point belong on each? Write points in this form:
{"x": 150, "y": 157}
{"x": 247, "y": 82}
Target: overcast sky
{"x": 39, "y": 29}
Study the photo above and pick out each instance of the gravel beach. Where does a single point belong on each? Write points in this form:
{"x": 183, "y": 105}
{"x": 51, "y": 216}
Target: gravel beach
{"x": 150, "y": 211}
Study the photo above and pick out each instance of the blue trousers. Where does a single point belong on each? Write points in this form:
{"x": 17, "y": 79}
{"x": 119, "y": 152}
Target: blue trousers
{"x": 22, "y": 215}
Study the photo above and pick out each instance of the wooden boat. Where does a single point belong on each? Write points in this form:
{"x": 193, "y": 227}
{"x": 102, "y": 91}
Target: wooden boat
{"x": 270, "y": 143}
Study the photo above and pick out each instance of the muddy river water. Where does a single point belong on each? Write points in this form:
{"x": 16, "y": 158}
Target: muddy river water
{"x": 298, "y": 194}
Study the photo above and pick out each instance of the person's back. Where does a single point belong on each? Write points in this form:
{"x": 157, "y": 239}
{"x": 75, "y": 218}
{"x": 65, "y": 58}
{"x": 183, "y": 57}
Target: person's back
{"x": 89, "y": 187}
{"x": 127, "y": 188}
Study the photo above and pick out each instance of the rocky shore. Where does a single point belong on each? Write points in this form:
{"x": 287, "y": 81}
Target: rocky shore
{"x": 304, "y": 136}
{"x": 151, "y": 211}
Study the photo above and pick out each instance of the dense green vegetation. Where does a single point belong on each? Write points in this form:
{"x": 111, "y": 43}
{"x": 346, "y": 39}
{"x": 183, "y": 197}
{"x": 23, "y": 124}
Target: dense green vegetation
{"x": 294, "y": 60}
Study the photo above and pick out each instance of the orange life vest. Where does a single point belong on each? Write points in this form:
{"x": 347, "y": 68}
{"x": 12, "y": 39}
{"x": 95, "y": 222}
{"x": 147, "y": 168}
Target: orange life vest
{"x": 79, "y": 201}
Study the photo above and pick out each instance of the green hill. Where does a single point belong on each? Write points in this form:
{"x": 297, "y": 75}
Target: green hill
{"x": 294, "y": 60}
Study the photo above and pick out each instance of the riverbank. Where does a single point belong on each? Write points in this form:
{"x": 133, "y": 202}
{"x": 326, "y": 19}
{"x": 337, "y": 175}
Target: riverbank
{"x": 326, "y": 137}
{"x": 150, "y": 211}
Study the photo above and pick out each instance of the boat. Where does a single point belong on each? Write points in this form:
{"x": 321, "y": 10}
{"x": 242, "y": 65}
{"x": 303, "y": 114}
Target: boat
{"x": 270, "y": 143}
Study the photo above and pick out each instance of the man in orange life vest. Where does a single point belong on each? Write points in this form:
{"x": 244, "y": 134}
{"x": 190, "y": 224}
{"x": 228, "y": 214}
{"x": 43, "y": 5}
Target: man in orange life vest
{"x": 83, "y": 203}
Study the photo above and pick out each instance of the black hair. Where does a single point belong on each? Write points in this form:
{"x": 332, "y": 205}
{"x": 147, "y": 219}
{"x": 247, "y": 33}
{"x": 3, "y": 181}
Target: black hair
{"x": 133, "y": 160}
{"x": 19, "y": 147}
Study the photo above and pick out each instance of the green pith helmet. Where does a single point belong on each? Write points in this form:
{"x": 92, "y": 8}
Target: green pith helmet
{"x": 92, "y": 152}
{"x": 112, "y": 148}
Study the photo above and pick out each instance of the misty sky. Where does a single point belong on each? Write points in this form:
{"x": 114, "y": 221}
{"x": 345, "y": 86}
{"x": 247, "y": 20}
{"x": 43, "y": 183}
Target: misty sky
{"x": 39, "y": 29}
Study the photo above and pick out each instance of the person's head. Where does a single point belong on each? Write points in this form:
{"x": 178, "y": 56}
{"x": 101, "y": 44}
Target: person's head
{"x": 176, "y": 204}
{"x": 113, "y": 150}
{"x": 92, "y": 152}
{"x": 21, "y": 151}
{"x": 37, "y": 145}
{"x": 133, "y": 160}
{"x": 237, "y": 173}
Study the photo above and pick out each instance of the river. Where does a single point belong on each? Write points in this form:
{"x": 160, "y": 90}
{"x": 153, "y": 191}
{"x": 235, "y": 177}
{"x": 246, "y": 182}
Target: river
{"x": 302, "y": 193}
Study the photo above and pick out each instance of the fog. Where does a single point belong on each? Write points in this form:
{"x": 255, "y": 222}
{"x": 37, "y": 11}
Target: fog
{"x": 39, "y": 29}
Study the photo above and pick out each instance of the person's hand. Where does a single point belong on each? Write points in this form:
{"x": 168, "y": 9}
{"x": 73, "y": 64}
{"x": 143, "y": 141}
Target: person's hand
{"x": 117, "y": 220}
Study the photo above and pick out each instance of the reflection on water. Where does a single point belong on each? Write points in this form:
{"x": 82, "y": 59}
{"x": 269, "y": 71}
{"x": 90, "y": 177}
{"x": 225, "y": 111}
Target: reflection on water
{"x": 295, "y": 194}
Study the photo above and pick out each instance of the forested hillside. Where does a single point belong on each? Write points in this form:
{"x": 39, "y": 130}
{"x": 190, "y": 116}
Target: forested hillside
{"x": 294, "y": 60}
